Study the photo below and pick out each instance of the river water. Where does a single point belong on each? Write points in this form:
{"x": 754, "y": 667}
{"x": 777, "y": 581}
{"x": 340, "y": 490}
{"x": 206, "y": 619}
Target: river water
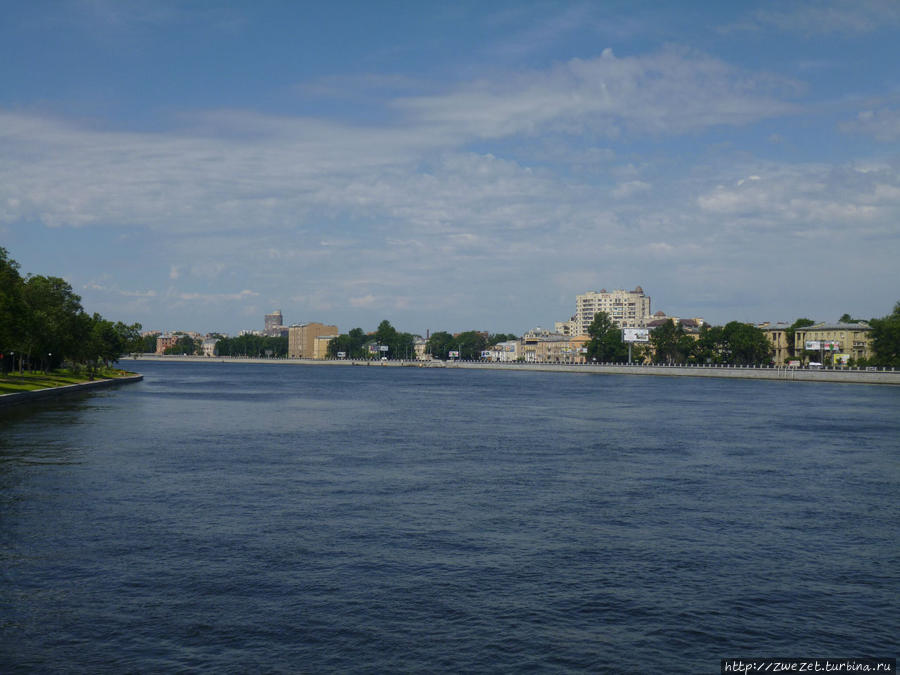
{"x": 278, "y": 518}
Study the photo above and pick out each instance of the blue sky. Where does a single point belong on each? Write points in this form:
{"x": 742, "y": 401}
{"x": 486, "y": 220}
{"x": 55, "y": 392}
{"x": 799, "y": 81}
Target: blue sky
{"x": 452, "y": 166}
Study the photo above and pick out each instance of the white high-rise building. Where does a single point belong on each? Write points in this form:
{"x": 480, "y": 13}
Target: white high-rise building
{"x": 629, "y": 309}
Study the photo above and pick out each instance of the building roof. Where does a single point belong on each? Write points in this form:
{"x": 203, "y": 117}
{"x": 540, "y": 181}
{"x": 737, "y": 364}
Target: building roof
{"x": 837, "y": 326}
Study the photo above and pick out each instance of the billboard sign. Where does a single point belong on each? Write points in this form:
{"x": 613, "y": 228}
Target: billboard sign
{"x": 635, "y": 335}
{"x": 384, "y": 348}
{"x": 342, "y": 355}
{"x": 453, "y": 354}
{"x": 827, "y": 345}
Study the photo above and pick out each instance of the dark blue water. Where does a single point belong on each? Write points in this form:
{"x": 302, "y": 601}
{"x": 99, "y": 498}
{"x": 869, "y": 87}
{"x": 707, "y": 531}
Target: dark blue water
{"x": 241, "y": 518}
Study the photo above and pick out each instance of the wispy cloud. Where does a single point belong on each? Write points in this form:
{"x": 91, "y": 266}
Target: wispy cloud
{"x": 670, "y": 92}
{"x": 227, "y": 169}
{"x": 882, "y": 124}
{"x": 212, "y": 297}
{"x": 824, "y": 17}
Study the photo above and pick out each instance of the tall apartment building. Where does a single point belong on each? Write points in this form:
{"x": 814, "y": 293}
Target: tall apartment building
{"x": 302, "y": 339}
{"x": 629, "y": 309}
{"x": 274, "y": 324}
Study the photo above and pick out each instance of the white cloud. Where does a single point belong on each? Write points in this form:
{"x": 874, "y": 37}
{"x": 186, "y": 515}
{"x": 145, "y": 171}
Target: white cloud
{"x": 845, "y": 201}
{"x": 883, "y": 124}
{"x": 114, "y": 290}
{"x": 362, "y": 301}
{"x": 630, "y": 188}
{"x": 231, "y": 170}
{"x": 212, "y": 297}
{"x": 824, "y": 17}
{"x": 672, "y": 91}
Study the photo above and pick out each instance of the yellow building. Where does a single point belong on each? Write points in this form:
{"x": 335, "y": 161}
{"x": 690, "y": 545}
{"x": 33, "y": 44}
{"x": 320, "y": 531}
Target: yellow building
{"x": 320, "y": 346}
{"x": 835, "y": 341}
{"x": 302, "y": 339}
{"x": 546, "y": 347}
{"x": 776, "y": 334}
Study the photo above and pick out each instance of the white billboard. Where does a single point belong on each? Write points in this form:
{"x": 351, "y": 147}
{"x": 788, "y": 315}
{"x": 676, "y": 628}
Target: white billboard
{"x": 635, "y": 335}
{"x": 453, "y": 354}
{"x": 827, "y": 345}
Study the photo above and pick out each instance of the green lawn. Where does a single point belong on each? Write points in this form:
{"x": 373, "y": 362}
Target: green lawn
{"x": 30, "y": 381}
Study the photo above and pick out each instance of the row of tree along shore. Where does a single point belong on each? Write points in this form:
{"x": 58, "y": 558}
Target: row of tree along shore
{"x": 735, "y": 343}
{"x": 42, "y": 325}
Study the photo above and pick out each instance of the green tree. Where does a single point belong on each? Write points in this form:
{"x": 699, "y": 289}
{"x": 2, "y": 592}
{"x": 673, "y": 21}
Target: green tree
{"x": 790, "y": 335}
{"x": 107, "y": 343}
{"x": 846, "y": 318}
{"x": 440, "y": 344}
{"x": 351, "y": 344}
{"x": 710, "y": 345}
{"x": 745, "y": 344}
{"x": 12, "y": 309}
{"x": 148, "y": 344}
{"x": 470, "y": 344}
{"x": 886, "y": 339}
{"x": 668, "y": 343}
{"x": 386, "y": 333}
{"x": 605, "y": 345}
{"x": 497, "y": 338}
{"x": 130, "y": 336}
{"x": 185, "y": 345}
{"x": 400, "y": 345}
{"x": 51, "y": 323}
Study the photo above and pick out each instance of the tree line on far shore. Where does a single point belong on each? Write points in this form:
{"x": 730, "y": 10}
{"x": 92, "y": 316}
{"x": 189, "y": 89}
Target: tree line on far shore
{"x": 356, "y": 344}
{"x": 42, "y": 324}
{"x": 257, "y": 346}
{"x": 734, "y": 343}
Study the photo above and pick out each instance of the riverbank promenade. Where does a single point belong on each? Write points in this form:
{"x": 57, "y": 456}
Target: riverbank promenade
{"x": 846, "y": 375}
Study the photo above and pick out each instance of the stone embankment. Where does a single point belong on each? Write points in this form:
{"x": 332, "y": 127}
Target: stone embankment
{"x": 849, "y": 375}
{"x": 19, "y": 398}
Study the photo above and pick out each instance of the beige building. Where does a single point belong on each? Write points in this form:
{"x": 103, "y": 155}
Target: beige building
{"x": 776, "y": 334}
{"x": 421, "y": 346}
{"x": 545, "y": 347}
{"x": 302, "y": 339}
{"x": 629, "y": 309}
{"x": 208, "y": 347}
{"x": 320, "y": 346}
{"x": 850, "y": 340}
{"x": 565, "y": 327}
{"x": 505, "y": 352}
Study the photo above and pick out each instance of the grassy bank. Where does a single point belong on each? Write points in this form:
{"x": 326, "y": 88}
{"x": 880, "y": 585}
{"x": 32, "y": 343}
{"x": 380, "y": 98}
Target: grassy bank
{"x": 14, "y": 383}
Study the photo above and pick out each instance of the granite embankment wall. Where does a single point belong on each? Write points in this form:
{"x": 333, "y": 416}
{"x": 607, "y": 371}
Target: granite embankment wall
{"x": 735, "y": 372}
{"x": 19, "y": 398}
